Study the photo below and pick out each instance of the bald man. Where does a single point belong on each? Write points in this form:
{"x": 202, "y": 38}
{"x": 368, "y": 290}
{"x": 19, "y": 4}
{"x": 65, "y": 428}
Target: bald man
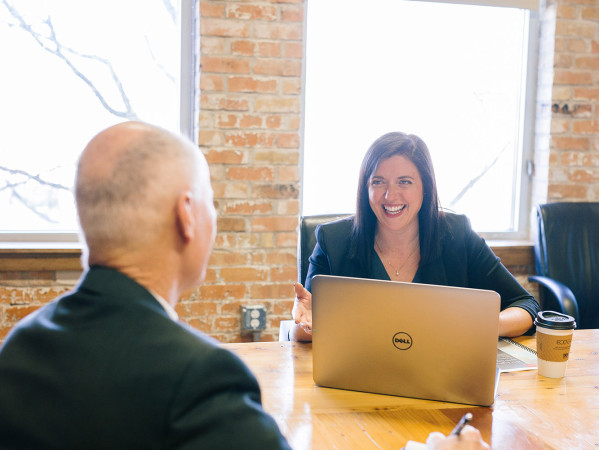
{"x": 108, "y": 365}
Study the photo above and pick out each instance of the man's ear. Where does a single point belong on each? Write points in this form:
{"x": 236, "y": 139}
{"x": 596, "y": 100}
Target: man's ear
{"x": 184, "y": 215}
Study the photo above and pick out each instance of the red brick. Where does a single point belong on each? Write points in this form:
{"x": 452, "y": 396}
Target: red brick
{"x": 236, "y": 274}
{"x": 288, "y": 207}
{"x": 201, "y": 324}
{"x": 224, "y": 27}
{"x": 294, "y": 50}
{"x": 211, "y": 10}
{"x": 566, "y": 191}
{"x": 277, "y": 104}
{"x": 283, "y": 307}
{"x": 585, "y": 126}
{"x": 263, "y": 191}
{"x": 249, "y": 139}
{"x": 283, "y": 31}
{"x": 287, "y": 239}
{"x": 285, "y": 67}
{"x": 223, "y": 102}
{"x": 243, "y": 48}
{"x": 288, "y": 273}
{"x": 575, "y": 28}
{"x": 230, "y": 190}
{"x": 577, "y": 45}
{"x": 251, "y": 12}
{"x": 225, "y": 157}
{"x": 284, "y": 291}
{"x": 288, "y": 173}
{"x": 288, "y": 140}
{"x": 225, "y": 291}
{"x": 586, "y": 93}
{"x": 571, "y": 143}
{"x": 274, "y": 223}
{"x": 294, "y": 122}
{"x": 227, "y": 120}
{"x": 209, "y": 137}
{"x": 292, "y": 86}
{"x": 566, "y": 12}
{"x": 224, "y": 65}
{"x": 231, "y": 308}
{"x": 273, "y": 122}
{"x": 567, "y": 77}
{"x": 211, "y": 83}
{"x": 231, "y": 224}
{"x": 250, "y": 84}
{"x": 222, "y": 258}
{"x": 276, "y": 157}
{"x": 563, "y": 61}
{"x": 589, "y": 62}
{"x": 269, "y": 49}
{"x": 590, "y": 14}
{"x": 211, "y": 277}
{"x": 196, "y": 308}
{"x": 249, "y": 121}
{"x": 581, "y": 175}
{"x": 247, "y": 207}
{"x": 251, "y": 173}
{"x": 212, "y": 45}
{"x": 15, "y": 313}
{"x": 292, "y": 14}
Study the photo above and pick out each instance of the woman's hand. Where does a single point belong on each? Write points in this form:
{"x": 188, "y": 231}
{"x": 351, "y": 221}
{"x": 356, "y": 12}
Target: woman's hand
{"x": 302, "y": 314}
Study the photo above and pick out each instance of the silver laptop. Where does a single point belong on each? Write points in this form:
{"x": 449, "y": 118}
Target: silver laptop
{"x": 406, "y": 339}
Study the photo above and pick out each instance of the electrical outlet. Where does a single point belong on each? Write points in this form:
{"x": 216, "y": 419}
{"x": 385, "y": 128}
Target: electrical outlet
{"x": 253, "y": 318}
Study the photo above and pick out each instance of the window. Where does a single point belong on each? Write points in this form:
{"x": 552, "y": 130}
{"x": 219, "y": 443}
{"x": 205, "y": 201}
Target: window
{"x": 71, "y": 69}
{"x": 462, "y": 77}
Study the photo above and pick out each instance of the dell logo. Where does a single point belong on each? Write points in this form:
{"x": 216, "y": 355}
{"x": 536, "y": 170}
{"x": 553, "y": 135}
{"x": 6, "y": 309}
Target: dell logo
{"x": 402, "y": 341}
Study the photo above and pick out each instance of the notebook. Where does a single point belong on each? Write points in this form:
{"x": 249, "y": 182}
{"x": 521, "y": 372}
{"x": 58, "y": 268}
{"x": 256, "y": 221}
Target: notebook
{"x": 406, "y": 339}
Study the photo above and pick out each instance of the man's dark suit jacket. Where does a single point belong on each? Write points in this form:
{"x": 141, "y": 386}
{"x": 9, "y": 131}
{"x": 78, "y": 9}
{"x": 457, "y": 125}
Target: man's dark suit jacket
{"x": 465, "y": 261}
{"x": 105, "y": 367}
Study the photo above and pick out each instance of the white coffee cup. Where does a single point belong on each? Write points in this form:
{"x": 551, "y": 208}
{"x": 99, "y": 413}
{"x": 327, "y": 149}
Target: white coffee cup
{"x": 554, "y": 337}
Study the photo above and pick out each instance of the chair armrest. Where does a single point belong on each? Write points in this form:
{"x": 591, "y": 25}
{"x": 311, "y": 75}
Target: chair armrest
{"x": 561, "y": 293}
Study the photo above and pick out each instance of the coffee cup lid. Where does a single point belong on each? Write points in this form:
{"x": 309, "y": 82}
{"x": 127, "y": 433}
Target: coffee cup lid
{"x": 555, "y": 320}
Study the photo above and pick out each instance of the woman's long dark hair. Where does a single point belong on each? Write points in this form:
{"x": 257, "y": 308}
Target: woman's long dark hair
{"x": 429, "y": 216}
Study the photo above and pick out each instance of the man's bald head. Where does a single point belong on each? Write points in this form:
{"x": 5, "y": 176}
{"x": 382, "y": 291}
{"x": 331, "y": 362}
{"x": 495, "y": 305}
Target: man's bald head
{"x": 128, "y": 179}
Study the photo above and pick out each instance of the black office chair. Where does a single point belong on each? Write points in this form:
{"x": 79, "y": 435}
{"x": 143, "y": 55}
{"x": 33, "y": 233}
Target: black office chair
{"x": 567, "y": 260}
{"x": 307, "y": 240}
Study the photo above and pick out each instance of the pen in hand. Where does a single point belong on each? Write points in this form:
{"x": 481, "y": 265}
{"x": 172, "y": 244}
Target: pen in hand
{"x": 463, "y": 421}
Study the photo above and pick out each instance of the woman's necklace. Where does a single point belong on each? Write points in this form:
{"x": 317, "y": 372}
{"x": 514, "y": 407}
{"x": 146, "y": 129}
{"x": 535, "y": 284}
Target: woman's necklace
{"x": 389, "y": 262}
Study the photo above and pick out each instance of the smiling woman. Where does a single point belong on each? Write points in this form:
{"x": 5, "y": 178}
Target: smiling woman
{"x": 399, "y": 233}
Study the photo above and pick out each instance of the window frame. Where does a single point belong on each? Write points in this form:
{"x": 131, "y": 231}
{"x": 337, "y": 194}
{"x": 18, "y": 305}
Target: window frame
{"x": 523, "y": 185}
{"x": 188, "y": 125}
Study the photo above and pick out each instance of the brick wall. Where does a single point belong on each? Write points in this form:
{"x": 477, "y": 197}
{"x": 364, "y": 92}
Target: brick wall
{"x": 251, "y": 58}
{"x": 574, "y": 152}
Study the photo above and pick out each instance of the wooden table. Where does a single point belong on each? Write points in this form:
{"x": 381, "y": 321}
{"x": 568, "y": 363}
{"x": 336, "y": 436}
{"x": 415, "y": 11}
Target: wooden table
{"x": 530, "y": 411}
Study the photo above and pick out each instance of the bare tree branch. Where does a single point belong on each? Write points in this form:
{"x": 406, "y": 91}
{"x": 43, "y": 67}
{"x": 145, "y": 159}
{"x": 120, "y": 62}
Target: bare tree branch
{"x": 475, "y": 180}
{"x": 170, "y": 9}
{"x": 32, "y": 207}
{"x": 53, "y": 46}
{"x": 160, "y": 66}
{"x": 36, "y": 178}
